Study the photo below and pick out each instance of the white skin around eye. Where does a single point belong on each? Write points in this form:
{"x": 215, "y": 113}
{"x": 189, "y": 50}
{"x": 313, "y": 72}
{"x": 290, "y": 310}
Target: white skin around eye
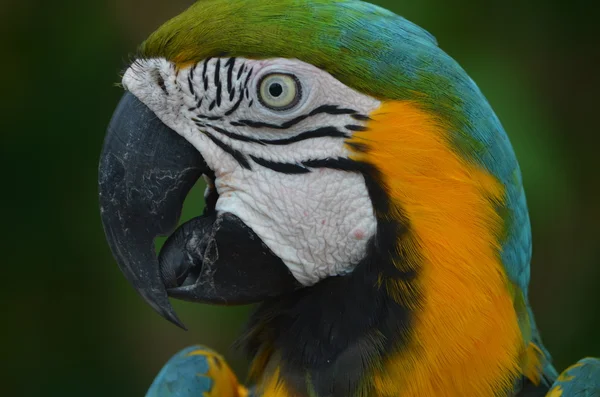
{"x": 317, "y": 219}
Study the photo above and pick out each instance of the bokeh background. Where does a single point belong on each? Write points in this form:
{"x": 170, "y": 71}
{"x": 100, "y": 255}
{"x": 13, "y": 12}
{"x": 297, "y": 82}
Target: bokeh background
{"x": 71, "y": 325}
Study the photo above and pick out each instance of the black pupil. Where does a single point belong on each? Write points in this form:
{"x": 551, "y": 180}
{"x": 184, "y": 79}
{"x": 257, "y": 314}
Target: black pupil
{"x": 275, "y": 90}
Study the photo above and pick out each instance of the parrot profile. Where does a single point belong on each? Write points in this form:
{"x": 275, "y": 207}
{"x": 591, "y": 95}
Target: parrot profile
{"x": 359, "y": 187}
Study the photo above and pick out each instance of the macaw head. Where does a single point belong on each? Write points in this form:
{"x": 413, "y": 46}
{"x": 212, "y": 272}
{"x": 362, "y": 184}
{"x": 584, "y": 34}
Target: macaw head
{"x": 303, "y": 117}
{"x": 343, "y": 150}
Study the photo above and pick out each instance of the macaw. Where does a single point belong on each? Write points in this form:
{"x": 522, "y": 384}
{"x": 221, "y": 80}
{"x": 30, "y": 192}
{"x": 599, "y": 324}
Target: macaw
{"x": 359, "y": 186}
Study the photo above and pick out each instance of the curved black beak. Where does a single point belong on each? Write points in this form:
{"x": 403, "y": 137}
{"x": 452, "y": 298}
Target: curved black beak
{"x": 146, "y": 171}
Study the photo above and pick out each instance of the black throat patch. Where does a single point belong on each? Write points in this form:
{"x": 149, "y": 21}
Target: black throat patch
{"x": 327, "y": 338}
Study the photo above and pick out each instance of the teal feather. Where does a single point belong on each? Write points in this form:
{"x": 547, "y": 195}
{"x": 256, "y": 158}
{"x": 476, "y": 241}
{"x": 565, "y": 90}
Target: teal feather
{"x": 579, "y": 380}
{"x": 183, "y": 376}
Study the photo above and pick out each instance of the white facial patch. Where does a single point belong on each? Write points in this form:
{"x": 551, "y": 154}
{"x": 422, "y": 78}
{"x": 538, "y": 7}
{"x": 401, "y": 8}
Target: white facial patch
{"x": 274, "y": 133}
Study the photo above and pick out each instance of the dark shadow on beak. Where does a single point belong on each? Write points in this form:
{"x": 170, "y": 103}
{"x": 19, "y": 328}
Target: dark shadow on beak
{"x": 218, "y": 259}
{"x": 146, "y": 171}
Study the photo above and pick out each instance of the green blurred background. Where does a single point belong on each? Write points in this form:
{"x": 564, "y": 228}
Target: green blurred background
{"x": 72, "y": 326}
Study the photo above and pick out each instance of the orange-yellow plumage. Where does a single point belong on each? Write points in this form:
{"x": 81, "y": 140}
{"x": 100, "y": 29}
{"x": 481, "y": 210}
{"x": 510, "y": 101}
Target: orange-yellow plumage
{"x": 274, "y": 386}
{"x": 465, "y": 338}
{"x": 225, "y": 382}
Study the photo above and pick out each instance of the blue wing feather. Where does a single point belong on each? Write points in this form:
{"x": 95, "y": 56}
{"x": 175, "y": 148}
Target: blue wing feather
{"x": 579, "y": 380}
{"x": 184, "y": 375}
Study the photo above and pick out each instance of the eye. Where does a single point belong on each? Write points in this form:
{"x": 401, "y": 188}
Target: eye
{"x": 279, "y": 91}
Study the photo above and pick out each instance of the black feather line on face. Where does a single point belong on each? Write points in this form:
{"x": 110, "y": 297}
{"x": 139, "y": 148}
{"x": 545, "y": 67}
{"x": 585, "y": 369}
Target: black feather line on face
{"x": 248, "y": 78}
{"x": 236, "y": 105}
{"x": 361, "y": 117}
{"x": 191, "y": 83}
{"x": 239, "y": 75}
{"x": 283, "y": 168}
{"x": 203, "y": 117}
{"x": 238, "y": 156}
{"x": 325, "y": 109}
{"x": 192, "y": 71}
{"x": 230, "y": 64}
{"x": 323, "y": 132}
{"x": 204, "y": 76}
{"x": 353, "y": 127}
{"x": 358, "y": 147}
{"x": 218, "y": 82}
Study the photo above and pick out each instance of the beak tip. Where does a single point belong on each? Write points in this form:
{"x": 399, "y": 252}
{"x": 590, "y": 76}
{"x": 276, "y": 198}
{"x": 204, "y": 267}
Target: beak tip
{"x": 162, "y": 306}
{"x": 172, "y": 317}
{"x": 167, "y": 312}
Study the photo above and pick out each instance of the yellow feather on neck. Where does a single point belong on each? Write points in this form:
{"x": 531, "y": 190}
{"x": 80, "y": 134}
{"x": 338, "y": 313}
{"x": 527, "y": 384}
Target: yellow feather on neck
{"x": 465, "y": 337}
